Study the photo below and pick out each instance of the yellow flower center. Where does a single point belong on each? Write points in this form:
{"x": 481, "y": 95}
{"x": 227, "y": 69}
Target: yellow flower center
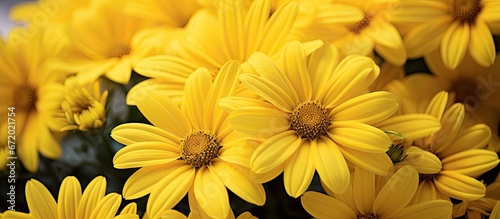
{"x": 82, "y": 109}
{"x": 367, "y": 216}
{"x": 199, "y": 148}
{"x": 25, "y": 98}
{"x": 118, "y": 50}
{"x": 465, "y": 11}
{"x": 358, "y": 27}
{"x": 310, "y": 120}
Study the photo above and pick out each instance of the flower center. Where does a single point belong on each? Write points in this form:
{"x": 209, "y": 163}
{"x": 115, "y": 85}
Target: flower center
{"x": 118, "y": 50}
{"x": 310, "y": 120}
{"x": 358, "y": 27}
{"x": 25, "y": 98}
{"x": 199, "y": 148}
{"x": 465, "y": 11}
{"x": 426, "y": 177}
{"x": 368, "y": 216}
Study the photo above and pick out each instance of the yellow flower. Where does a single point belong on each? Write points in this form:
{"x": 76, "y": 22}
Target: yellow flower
{"x": 165, "y": 13}
{"x": 72, "y": 203}
{"x": 459, "y": 147}
{"x": 29, "y": 89}
{"x": 83, "y": 105}
{"x": 47, "y": 12}
{"x": 316, "y": 113}
{"x": 191, "y": 148}
{"x": 481, "y": 207}
{"x": 495, "y": 214}
{"x": 454, "y": 27}
{"x": 364, "y": 200}
{"x": 4, "y": 146}
{"x": 102, "y": 43}
{"x": 234, "y": 32}
{"x": 371, "y": 30}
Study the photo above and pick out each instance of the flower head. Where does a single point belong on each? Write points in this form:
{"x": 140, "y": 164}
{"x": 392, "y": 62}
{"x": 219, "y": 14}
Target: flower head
{"x": 315, "y": 112}
{"x": 72, "y": 203}
{"x": 191, "y": 149}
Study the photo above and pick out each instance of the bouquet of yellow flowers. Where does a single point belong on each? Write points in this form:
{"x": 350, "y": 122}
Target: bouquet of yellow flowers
{"x": 358, "y": 109}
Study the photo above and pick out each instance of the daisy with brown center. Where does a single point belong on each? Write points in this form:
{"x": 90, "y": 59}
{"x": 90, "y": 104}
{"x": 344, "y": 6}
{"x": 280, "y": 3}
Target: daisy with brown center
{"x": 460, "y": 149}
{"x": 363, "y": 200}
{"x": 482, "y": 207}
{"x": 315, "y": 113}
{"x": 72, "y": 203}
{"x": 454, "y": 27}
{"x": 191, "y": 149}
{"x": 233, "y": 32}
{"x": 371, "y": 31}
{"x": 30, "y": 89}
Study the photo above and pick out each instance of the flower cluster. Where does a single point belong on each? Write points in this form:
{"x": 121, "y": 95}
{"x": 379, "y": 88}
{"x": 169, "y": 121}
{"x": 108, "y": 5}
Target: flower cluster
{"x": 208, "y": 109}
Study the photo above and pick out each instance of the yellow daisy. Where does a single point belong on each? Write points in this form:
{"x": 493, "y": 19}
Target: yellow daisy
{"x": 103, "y": 44}
{"x": 233, "y": 32}
{"x": 173, "y": 214}
{"x": 364, "y": 200}
{"x": 316, "y": 113}
{"x": 72, "y": 203}
{"x": 454, "y": 27}
{"x": 482, "y": 207}
{"x": 191, "y": 148}
{"x": 29, "y": 89}
{"x": 474, "y": 86}
{"x": 459, "y": 147}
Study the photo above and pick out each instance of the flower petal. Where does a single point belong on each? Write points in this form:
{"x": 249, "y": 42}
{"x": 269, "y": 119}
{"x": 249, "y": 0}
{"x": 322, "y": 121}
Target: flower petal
{"x": 170, "y": 190}
{"x": 107, "y": 207}
{"x": 451, "y": 123}
{"x": 397, "y": 192}
{"x": 145, "y": 154}
{"x": 163, "y": 113}
{"x": 294, "y": 64}
{"x": 472, "y": 162}
{"x": 482, "y": 46}
{"x": 363, "y": 187}
{"x": 93, "y": 193}
{"x": 437, "y": 105}
{"x": 459, "y": 186}
{"x": 321, "y": 65}
{"x": 260, "y": 122}
{"x": 411, "y": 126}
{"x": 278, "y": 27}
{"x": 130, "y": 133}
{"x": 70, "y": 193}
{"x": 423, "y": 161}
{"x": 299, "y": 171}
{"x": 433, "y": 209}
{"x": 274, "y": 151}
{"x": 269, "y": 91}
{"x": 476, "y": 136}
{"x": 40, "y": 201}
{"x": 426, "y": 37}
{"x": 369, "y": 108}
{"x": 454, "y": 44}
{"x": 195, "y": 93}
{"x": 237, "y": 179}
{"x": 359, "y": 136}
{"x": 330, "y": 164}
{"x": 323, "y": 206}
{"x": 211, "y": 193}
{"x": 377, "y": 163}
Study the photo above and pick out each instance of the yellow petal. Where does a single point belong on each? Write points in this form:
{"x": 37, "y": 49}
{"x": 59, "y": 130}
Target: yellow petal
{"x": 454, "y": 44}
{"x": 426, "y": 37}
{"x": 255, "y": 21}
{"x": 274, "y": 151}
{"x": 170, "y": 190}
{"x": 145, "y": 154}
{"x": 278, "y": 27}
{"x": 238, "y": 151}
{"x": 369, "y": 108}
{"x": 211, "y": 193}
{"x": 162, "y": 112}
{"x": 363, "y": 187}
{"x": 121, "y": 71}
{"x": 174, "y": 90}
{"x": 130, "y": 133}
{"x": 352, "y": 77}
{"x": 482, "y": 46}
{"x": 426, "y": 191}
{"x": 323, "y": 206}
{"x": 396, "y": 56}
{"x": 144, "y": 180}
{"x": 437, "y": 105}
{"x": 260, "y": 122}
{"x": 237, "y": 179}
{"x": 299, "y": 171}
{"x": 476, "y": 136}
{"x": 16, "y": 215}
{"x": 107, "y": 207}
{"x": 246, "y": 215}
{"x": 459, "y": 186}
{"x": 196, "y": 90}
{"x": 495, "y": 213}
{"x": 168, "y": 68}
{"x": 423, "y": 161}
{"x": 294, "y": 65}
{"x": 230, "y": 104}
{"x": 330, "y": 164}
{"x": 397, "y": 192}
{"x": 360, "y": 137}
{"x": 131, "y": 208}
{"x": 70, "y": 193}
{"x": 378, "y": 163}
{"x": 172, "y": 214}
{"x": 269, "y": 91}
{"x": 418, "y": 11}
{"x": 411, "y": 126}
{"x": 93, "y": 193}
{"x": 321, "y": 65}
{"x": 472, "y": 162}
{"x": 40, "y": 201}
{"x": 451, "y": 124}
{"x": 433, "y": 209}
